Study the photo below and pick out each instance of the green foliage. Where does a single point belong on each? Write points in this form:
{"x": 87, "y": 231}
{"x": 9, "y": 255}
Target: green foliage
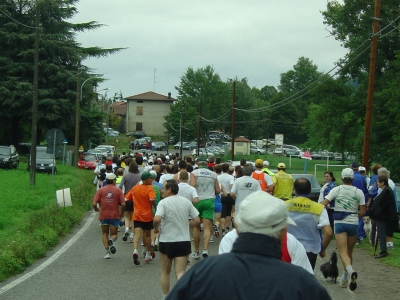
{"x": 32, "y": 223}
{"x": 59, "y": 56}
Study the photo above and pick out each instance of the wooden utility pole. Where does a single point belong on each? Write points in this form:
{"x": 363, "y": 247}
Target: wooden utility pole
{"x": 371, "y": 82}
{"x": 198, "y": 129}
{"x": 233, "y": 120}
{"x": 35, "y": 101}
{"x": 182, "y": 127}
{"x": 77, "y": 116}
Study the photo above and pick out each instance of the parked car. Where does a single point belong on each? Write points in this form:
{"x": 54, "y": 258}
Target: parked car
{"x": 9, "y": 157}
{"x": 94, "y": 152}
{"x": 316, "y": 155}
{"x": 104, "y": 151}
{"x": 214, "y": 137}
{"x": 137, "y": 134}
{"x": 292, "y": 152}
{"x": 202, "y": 151}
{"x": 160, "y": 146}
{"x": 88, "y": 162}
{"x": 45, "y": 162}
{"x": 278, "y": 151}
{"x": 172, "y": 140}
{"x": 190, "y": 146}
{"x": 111, "y": 132}
{"x": 109, "y": 148}
{"x": 178, "y": 145}
{"x": 315, "y": 186}
{"x": 254, "y": 149}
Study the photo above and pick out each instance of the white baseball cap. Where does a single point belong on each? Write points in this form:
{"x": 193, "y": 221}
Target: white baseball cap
{"x": 266, "y": 163}
{"x": 348, "y": 173}
{"x": 360, "y": 169}
{"x": 110, "y": 176}
{"x": 262, "y": 213}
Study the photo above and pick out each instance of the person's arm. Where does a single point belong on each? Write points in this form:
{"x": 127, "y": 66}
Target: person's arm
{"x": 233, "y": 191}
{"x": 192, "y": 180}
{"x": 216, "y": 187}
{"x": 194, "y": 222}
{"x": 156, "y": 223}
{"x": 362, "y": 211}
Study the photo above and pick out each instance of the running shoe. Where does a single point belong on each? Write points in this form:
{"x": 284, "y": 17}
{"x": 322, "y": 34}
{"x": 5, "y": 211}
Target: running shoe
{"x": 136, "y": 258}
{"x": 112, "y": 247}
{"x": 205, "y": 253}
{"x": 196, "y": 255}
{"x": 125, "y": 237}
{"x": 353, "y": 278}
{"x": 155, "y": 247}
{"x": 148, "y": 257}
{"x": 343, "y": 283}
{"x": 211, "y": 239}
{"x": 390, "y": 246}
{"x": 216, "y": 231}
{"x": 131, "y": 237}
{"x": 108, "y": 255}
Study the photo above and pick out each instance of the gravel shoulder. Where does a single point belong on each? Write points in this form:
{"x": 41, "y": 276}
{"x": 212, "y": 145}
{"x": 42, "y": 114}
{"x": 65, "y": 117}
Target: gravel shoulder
{"x": 375, "y": 280}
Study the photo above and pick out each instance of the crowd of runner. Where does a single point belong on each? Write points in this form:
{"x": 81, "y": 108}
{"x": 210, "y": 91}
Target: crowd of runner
{"x": 165, "y": 201}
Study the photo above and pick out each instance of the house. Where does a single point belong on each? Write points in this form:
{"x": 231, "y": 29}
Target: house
{"x": 242, "y": 146}
{"x": 146, "y": 112}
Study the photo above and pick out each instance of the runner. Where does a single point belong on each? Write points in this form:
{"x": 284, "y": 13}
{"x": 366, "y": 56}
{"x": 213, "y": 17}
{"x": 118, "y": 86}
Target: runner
{"x": 144, "y": 198}
{"x": 174, "y": 211}
{"x": 109, "y": 198}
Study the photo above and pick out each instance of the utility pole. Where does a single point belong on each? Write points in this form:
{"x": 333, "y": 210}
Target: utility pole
{"x": 77, "y": 115}
{"x": 233, "y": 120}
{"x": 35, "y": 101}
{"x": 182, "y": 127}
{"x": 371, "y": 82}
{"x": 198, "y": 128}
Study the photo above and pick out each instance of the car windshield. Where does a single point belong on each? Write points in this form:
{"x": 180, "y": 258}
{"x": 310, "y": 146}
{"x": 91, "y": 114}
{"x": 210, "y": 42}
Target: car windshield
{"x": 5, "y": 151}
{"x": 89, "y": 158}
{"x": 44, "y": 154}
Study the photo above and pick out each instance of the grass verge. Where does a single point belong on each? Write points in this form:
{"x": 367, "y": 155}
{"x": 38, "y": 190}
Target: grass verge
{"x": 31, "y": 222}
{"x": 393, "y": 259}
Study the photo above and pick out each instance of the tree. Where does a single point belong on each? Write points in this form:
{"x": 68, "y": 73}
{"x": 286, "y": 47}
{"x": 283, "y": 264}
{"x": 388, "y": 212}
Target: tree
{"x": 60, "y": 55}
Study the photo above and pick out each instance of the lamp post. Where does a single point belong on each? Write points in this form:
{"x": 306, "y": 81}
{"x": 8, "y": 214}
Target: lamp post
{"x": 77, "y": 116}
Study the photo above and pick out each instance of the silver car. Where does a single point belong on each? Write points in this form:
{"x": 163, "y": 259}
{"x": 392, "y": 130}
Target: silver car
{"x": 254, "y": 149}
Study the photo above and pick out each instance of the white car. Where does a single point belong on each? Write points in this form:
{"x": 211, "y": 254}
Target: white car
{"x": 254, "y": 149}
{"x": 202, "y": 151}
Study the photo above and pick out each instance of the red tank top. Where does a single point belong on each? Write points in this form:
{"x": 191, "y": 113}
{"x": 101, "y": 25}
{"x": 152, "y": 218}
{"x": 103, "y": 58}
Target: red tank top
{"x": 285, "y": 252}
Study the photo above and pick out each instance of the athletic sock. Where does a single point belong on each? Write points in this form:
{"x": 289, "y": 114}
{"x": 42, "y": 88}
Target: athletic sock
{"x": 344, "y": 276}
{"x": 126, "y": 229}
{"x": 349, "y": 269}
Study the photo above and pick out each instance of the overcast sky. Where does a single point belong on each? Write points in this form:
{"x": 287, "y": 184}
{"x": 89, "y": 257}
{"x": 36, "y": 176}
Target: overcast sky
{"x": 257, "y": 39}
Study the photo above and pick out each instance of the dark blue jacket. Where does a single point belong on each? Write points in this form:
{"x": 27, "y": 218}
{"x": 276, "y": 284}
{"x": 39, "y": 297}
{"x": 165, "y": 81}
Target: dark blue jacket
{"x": 253, "y": 270}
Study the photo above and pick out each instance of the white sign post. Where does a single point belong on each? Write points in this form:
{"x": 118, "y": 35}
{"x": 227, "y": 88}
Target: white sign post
{"x": 64, "y": 197}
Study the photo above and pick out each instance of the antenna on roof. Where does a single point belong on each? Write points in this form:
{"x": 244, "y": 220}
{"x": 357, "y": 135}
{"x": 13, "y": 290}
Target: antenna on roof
{"x": 154, "y": 80}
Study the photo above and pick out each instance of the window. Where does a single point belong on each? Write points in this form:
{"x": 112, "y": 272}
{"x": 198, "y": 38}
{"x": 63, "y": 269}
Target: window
{"x": 139, "y": 101}
{"x": 139, "y": 110}
{"x": 239, "y": 144}
{"x": 139, "y": 126}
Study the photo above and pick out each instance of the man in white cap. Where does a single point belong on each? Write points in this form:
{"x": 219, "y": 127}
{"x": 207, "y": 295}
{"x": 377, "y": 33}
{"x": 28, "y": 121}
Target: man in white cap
{"x": 349, "y": 207}
{"x": 266, "y": 169}
{"x": 283, "y": 183}
{"x": 110, "y": 198}
{"x": 256, "y": 270}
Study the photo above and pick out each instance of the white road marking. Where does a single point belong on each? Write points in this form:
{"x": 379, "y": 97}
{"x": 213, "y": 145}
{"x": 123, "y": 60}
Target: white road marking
{"x": 51, "y": 259}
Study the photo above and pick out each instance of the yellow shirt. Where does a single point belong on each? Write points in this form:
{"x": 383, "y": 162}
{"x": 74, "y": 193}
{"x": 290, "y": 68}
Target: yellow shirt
{"x": 283, "y": 185}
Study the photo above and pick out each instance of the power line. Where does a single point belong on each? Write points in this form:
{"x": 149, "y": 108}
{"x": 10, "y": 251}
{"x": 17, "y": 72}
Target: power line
{"x": 16, "y": 21}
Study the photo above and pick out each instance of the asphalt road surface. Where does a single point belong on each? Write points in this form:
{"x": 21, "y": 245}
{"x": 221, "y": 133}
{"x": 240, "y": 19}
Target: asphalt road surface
{"x": 76, "y": 269}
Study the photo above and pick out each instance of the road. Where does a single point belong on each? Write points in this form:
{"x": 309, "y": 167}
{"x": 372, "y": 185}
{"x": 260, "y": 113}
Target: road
{"x": 76, "y": 269}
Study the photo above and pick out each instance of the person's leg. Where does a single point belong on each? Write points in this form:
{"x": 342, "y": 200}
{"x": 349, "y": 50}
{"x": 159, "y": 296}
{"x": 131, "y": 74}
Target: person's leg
{"x": 361, "y": 231}
{"x": 341, "y": 242}
{"x": 381, "y": 227}
{"x": 373, "y": 232}
{"x": 312, "y": 258}
{"x": 147, "y": 240}
{"x": 166, "y": 264}
{"x": 207, "y": 225}
{"x": 180, "y": 266}
{"x": 138, "y": 233}
{"x": 113, "y": 232}
{"x": 105, "y": 229}
{"x": 351, "y": 241}
{"x": 196, "y": 238}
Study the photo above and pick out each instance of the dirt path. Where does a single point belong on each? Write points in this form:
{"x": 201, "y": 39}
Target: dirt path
{"x": 375, "y": 280}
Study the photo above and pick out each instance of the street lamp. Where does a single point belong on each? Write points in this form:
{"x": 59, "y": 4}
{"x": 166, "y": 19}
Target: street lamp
{"x": 78, "y": 116}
